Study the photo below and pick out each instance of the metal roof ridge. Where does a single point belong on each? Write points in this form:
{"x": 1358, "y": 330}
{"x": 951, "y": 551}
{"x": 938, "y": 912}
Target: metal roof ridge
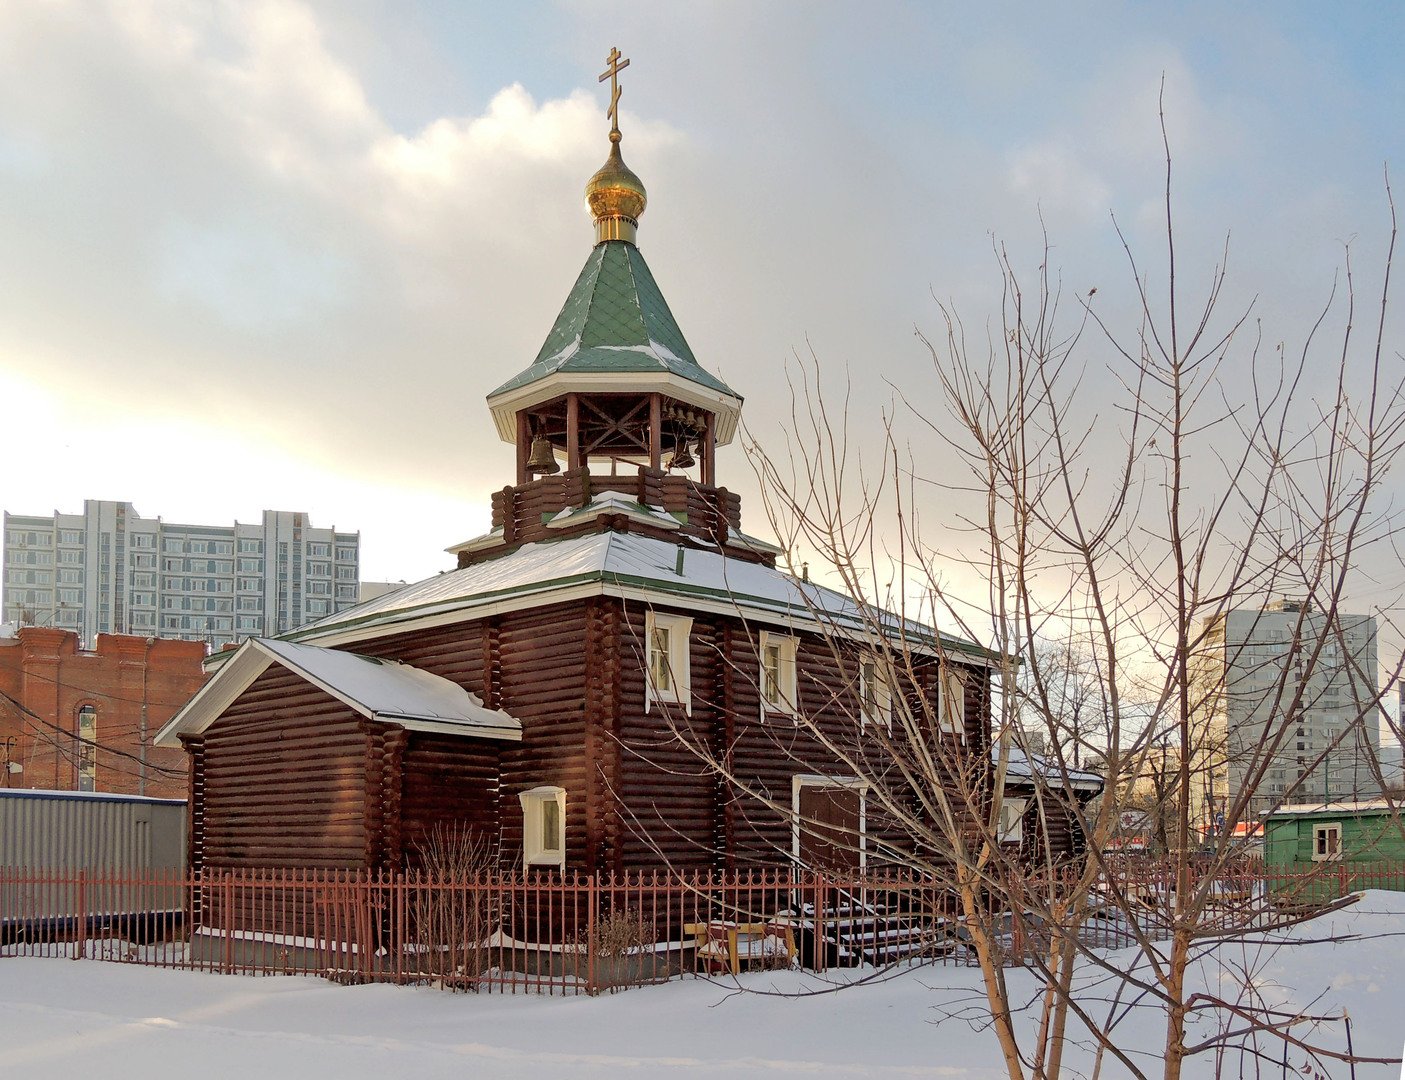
{"x": 684, "y": 361}
{"x": 593, "y": 291}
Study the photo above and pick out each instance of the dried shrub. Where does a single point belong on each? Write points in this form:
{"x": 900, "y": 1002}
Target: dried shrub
{"x": 619, "y": 933}
{"x": 454, "y": 912}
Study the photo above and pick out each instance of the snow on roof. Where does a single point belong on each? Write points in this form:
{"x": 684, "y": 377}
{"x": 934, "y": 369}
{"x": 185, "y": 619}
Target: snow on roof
{"x": 613, "y": 502}
{"x": 1021, "y": 766}
{"x": 1354, "y": 807}
{"x": 382, "y": 690}
{"x": 624, "y": 565}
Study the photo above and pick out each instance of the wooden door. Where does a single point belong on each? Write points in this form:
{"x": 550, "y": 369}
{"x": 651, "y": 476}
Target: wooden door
{"x": 830, "y": 825}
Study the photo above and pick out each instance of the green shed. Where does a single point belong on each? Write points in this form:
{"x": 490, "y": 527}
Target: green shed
{"x": 1316, "y": 850}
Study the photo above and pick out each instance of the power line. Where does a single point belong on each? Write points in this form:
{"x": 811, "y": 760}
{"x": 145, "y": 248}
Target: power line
{"x": 79, "y": 739}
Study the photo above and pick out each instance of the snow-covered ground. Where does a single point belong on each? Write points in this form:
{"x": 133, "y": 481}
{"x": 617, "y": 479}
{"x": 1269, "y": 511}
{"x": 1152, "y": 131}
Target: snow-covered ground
{"x": 60, "y": 1018}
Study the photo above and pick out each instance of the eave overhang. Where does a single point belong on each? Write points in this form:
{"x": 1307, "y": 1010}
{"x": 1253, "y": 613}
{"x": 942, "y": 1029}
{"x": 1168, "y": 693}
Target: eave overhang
{"x": 504, "y": 406}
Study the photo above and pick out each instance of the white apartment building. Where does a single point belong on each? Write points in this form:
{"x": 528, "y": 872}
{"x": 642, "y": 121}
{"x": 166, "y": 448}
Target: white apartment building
{"x": 1324, "y": 745}
{"x": 110, "y": 570}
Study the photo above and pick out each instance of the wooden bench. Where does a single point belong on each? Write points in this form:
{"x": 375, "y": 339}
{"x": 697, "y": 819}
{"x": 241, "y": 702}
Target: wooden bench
{"x": 725, "y": 946}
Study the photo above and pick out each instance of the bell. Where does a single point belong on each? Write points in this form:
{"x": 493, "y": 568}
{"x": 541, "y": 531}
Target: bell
{"x": 681, "y": 459}
{"x": 543, "y": 458}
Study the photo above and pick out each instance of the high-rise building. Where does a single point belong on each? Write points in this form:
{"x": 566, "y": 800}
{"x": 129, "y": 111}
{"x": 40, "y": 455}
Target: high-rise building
{"x": 1279, "y": 678}
{"x": 109, "y": 570}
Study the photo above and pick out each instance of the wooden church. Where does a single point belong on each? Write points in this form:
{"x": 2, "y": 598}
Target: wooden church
{"x": 612, "y": 678}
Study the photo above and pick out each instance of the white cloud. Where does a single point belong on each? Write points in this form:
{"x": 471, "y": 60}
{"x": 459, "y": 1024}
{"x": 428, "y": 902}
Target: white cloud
{"x": 223, "y": 215}
{"x": 1053, "y": 174}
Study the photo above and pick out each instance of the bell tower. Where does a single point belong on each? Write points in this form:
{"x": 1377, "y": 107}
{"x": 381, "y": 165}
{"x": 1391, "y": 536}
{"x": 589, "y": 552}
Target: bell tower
{"x": 615, "y": 401}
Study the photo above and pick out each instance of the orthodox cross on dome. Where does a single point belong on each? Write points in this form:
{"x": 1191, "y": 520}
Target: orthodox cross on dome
{"x": 617, "y": 64}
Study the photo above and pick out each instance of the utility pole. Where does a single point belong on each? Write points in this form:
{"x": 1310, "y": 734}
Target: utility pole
{"x": 10, "y": 742}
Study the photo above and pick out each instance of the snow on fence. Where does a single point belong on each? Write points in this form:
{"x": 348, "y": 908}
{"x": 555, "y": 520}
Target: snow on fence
{"x": 584, "y": 933}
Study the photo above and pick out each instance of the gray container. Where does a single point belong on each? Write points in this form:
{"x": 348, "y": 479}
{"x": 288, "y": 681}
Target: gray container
{"x": 112, "y": 861}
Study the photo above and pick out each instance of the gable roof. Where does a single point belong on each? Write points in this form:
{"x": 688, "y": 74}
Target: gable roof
{"x": 1024, "y": 769}
{"x": 381, "y": 690}
{"x": 624, "y": 565}
{"x": 615, "y": 319}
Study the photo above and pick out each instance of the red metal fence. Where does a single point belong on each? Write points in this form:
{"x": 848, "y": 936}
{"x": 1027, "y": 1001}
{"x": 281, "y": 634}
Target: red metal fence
{"x": 553, "y": 934}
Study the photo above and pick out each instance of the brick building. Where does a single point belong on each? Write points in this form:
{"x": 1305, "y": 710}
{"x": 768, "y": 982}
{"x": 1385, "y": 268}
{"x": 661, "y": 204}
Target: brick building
{"x": 73, "y": 719}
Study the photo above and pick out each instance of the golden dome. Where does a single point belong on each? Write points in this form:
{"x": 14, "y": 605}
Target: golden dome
{"x": 616, "y": 197}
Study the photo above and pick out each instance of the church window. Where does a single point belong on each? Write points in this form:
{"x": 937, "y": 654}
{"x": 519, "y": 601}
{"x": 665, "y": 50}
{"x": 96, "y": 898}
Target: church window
{"x": 544, "y": 826}
{"x": 876, "y": 691}
{"x": 1012, "y": 820}
{"x": 777, "y": 673}
{"x": 951, "y": 708}
{"x": 666, "y": 645}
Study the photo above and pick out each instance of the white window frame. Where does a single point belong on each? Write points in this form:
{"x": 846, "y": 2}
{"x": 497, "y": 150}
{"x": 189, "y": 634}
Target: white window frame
{"x": 876, "y": 675}
{"x": 1011, "y": 823}
{"x": 786, "y": 691}
{"x": 676, "y": 663}
{"x": 951, "y": 704}
{"x": 1320, "y": 830}
{"x": 534, "y": 851}
{"x": 806, "y": 780}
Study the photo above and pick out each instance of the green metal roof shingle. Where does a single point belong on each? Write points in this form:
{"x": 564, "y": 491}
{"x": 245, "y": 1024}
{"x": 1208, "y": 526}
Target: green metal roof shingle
{"x": 615, "y": 320}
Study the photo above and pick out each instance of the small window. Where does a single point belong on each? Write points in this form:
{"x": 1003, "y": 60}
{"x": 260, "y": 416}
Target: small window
{"x": 544, "y": 827}
{"x": 1326, "y": 842}
{"x": 1012, "y": 820}
{"x": 667, "y": 662}
{"x": 777, "y": 673}
{"x": 951, "y": 709}
{"x": 876, "y": 691}
{"x": 87, "y": 748}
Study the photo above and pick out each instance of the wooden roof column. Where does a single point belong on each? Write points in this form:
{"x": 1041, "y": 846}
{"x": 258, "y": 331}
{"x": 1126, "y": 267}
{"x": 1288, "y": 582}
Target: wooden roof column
{"x": 655, "y": 431}
{"x": 573, "y": 438}
{"x": 524, "y": 439}
{"x": 709, "y": 451}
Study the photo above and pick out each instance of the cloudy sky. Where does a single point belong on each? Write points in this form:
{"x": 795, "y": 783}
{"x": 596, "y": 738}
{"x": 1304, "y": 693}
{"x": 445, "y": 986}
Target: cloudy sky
{"x": 274, "y": 254}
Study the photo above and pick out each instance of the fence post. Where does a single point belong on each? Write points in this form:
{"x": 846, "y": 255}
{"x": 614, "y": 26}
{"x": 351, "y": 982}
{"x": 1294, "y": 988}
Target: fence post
{"x": 397, "y": 920}
{"x": 591, "y": 914}
{"x": 81, "y": 916}
{"x": 821, "y": 897}
{"x": 228, "y": 921}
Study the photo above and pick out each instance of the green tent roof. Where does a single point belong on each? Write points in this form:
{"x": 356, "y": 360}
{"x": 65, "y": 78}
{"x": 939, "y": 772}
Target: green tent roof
{"x": 615, "y": 320}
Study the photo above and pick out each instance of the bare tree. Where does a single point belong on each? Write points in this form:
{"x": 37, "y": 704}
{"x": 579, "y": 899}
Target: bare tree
{"x": 1124, "y": 525}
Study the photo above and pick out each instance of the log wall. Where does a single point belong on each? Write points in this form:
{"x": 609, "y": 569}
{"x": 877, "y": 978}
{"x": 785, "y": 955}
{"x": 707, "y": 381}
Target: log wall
{"x": 543, "y": 656}
{"x": 1051, "y": 832}
{"x": 683, "y": 813}
{"x": 448, "y": 781}
{"x": 522, "y": 512}
{"x": 669, "y": 796}
{"x": 291, "y": 776}
{"x": 284, "y": 779}
{"x": 532, "y": 664}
